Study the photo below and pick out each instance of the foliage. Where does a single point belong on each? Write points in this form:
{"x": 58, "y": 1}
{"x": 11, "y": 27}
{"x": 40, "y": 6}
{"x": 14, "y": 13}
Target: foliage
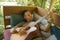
{"x": 57, "y": 7}
{"x": 22, "y": 2}
{"x": 0, "y": 12}
{"x": 40, "y": 3}
{"x": 57, "y": 4}
{"x": 1, "y": 18}
{"x": 1, "y": 32}
{"x": 1, "y": 21}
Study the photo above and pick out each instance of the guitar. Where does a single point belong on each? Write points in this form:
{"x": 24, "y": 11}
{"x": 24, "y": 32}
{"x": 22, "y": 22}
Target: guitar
{"x": 17, "y": 36}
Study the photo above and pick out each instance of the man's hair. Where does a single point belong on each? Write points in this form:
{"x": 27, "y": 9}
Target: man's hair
{"x": 23, "y": 12}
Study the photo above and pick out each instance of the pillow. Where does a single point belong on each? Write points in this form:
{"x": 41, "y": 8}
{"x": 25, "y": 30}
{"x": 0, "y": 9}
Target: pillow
{"x": 7, "y": 37}
{"x": 15, "y": 19}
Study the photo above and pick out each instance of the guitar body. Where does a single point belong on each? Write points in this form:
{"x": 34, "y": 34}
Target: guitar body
{"x": 30, "y": 33}
{"x": 17, "y": 37}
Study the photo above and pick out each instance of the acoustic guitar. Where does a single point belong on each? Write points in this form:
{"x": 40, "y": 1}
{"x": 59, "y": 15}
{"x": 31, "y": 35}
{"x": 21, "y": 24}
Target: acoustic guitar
{"x": 17, "y": 36}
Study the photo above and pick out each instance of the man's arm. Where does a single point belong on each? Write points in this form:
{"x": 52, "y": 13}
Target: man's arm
{"x": 42, "y": 12}
{"x": 45, "y": 28}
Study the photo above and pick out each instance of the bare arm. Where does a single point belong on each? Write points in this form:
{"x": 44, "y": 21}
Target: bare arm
{"x": 42, "y": 12}
{"x": 45, "y": 28}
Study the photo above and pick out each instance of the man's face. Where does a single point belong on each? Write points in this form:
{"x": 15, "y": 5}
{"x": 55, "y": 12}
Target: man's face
{"x": 28, "y": 16}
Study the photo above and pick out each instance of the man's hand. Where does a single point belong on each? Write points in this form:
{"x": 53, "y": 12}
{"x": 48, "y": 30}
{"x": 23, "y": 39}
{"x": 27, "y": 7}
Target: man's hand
{"x": 45, "y": 28}
{"x": 22, "y": 31}
{"x": 31, "y": 24}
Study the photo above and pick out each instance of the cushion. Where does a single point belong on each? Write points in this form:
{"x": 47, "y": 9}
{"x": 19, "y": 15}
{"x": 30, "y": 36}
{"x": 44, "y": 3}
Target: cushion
{"x": 15, "y": 19}
{"x": 7, "y": 37}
